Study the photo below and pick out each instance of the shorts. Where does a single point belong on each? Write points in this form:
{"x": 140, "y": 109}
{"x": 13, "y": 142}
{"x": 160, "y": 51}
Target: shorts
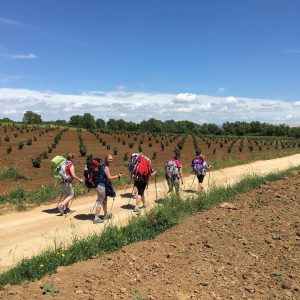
{"x": 200, "y": 178}
{"x": 67, "y": 188}
{"x": 141, "y": 186}
{"x": 102, "y": 199}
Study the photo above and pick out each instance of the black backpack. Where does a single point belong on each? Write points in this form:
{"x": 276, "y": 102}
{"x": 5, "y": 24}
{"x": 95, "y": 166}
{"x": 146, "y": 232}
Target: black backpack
{"x": 92, "y": 173}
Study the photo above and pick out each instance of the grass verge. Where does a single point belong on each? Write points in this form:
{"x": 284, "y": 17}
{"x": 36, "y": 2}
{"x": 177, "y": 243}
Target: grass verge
{"x": 144, "y": 227}
{"x": 12, "y": 173}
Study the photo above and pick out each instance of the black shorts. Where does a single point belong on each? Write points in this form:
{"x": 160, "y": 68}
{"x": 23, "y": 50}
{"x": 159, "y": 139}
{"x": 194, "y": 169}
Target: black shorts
{"x": 141, "y": 186}
{"x": 200, "y": 178}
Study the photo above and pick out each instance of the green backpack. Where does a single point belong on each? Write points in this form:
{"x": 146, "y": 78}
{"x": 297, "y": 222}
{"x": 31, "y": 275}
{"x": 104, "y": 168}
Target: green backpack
{"x": 58, "y": 163}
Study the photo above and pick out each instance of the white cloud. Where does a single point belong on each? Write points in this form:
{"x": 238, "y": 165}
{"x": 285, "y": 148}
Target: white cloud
{"x": 9, "y": 112}
{"x": 186, "y": 96}
{"x": 22, "y": 56}
{"x": 140, "y": 105}
{"x": 230, "y": 99}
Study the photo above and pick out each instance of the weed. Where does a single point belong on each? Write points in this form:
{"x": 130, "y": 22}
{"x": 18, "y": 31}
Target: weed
{"x": 49, "y": 289}
{"x": 12, "y": 173}
{"x": 204, "y": 283}
{"x": 136, "y": 294}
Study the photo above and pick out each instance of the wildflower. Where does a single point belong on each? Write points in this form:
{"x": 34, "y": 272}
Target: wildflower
{"x": 154, "y": 221}
{"x": 62, "y": 255}
{"x": 41, "y": 265}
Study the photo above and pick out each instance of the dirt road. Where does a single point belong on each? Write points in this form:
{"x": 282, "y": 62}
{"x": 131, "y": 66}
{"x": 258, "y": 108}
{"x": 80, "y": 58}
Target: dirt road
{"x": 24, "y": 234}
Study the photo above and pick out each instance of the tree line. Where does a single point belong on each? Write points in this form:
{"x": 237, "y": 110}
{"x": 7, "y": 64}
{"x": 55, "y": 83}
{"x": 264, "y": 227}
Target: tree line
{"x": 238, "y": 128}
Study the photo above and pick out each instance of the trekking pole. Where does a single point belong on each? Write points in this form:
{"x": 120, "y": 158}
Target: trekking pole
{"x": 131, "y": 196}
{"x": 92, "y": 209}
{"x": 193, "y": 182}
{"x": 126, "y": 187}
{"x": 62, "y": 193}
{"x": 208, "y": 178}
{"x": 155, "y": 186}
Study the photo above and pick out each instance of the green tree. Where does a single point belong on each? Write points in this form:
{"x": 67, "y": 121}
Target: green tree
{"x": 100, "y": 123}
{"x": 31, "y": 117}
{"x": 88, "y": 121}
{"x": 75, "y": 120}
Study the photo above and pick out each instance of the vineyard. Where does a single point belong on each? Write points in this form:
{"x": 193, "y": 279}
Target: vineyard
{"x": 29, "y": 149}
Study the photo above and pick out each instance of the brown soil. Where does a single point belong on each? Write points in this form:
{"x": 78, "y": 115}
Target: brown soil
{"x": 245, "y": 250}
{"x": 21, "y": 159}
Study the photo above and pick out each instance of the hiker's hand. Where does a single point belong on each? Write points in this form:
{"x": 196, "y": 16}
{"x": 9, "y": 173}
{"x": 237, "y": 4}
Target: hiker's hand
{"x": 80, "y": 180}
{"x": 120, "y": 175}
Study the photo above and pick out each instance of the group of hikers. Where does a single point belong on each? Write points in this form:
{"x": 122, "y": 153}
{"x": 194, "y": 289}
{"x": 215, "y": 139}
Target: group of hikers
{"x": 97, "y": 175}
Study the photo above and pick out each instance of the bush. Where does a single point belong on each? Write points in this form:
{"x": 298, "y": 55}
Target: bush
{"x": 29, "y": 142}
{"x": 6, "y": 138}
{"x": 36, "y": 162}
{"x": 115, "y": 150}
{"x": 125, "y": 156}
{"x": 11, "y": 173}
{"x": 82, "y": 150}
{"x": 44, "y": 155}
{"x": 9, "y": 150}
{"x": 21, "y": 145}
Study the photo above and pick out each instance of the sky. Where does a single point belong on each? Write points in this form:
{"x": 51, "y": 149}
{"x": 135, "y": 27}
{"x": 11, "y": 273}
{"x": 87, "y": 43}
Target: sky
{"x": 204, "y": 61}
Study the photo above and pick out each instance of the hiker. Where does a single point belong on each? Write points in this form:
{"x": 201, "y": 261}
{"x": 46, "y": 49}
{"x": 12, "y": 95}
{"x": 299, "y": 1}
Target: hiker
{"x": 66, "y": 185}
{"x": 200, "y": 166}
{"x": 104, "y": 189}
{"x": 173, "y": 169}
{"x": 141, "y": 169}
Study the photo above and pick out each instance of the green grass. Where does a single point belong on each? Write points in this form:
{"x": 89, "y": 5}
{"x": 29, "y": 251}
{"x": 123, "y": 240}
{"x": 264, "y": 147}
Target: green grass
{"x": 144, "y": 227}
{"x": 12, "y": 173}
{"x": 20, "y": 197}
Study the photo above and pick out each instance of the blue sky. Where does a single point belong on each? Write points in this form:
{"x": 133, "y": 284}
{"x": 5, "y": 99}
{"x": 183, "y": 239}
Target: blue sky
{"x": 177, "y": 54}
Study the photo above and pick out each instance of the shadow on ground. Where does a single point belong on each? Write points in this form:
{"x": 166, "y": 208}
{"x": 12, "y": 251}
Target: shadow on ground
{"x": 51, "y": 211}
{"x": 84, "y": 217}
{"x": 126, "y": 195}
{"x": 128, "y": 206}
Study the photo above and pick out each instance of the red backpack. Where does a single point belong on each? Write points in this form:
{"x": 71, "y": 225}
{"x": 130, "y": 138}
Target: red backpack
{"x": 142, "y": 168}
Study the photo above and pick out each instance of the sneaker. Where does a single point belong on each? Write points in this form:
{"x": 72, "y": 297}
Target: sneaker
{"x": 136, "y": 210}
{"x": 67, "y": 210}
{"x": 61, "y": 209}
{"x": 97, "y": 220}
{"x": 107, "y": 216}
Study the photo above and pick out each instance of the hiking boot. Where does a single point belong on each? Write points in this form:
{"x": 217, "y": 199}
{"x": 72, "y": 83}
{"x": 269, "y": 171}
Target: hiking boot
{"x": 97, "y": 220}
{"x": 137, "y": 210}
{"x": 107, "y": 216}
{"x": 61, "y": 209}
{"x": 67, "y": 210}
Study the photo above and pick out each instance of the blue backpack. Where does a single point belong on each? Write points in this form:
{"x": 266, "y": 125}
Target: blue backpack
{"x": 199, "y": 166}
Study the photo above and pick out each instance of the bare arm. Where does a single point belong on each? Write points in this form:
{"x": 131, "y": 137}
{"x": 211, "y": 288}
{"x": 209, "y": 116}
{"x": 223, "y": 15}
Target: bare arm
{"x": 181, "y": 175}
{"x": 72, "y": 171}
{"x": 109, "y": 176}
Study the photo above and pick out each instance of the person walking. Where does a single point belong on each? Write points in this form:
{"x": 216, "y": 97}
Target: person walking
{"x": 67, "y": 187}
{"x": 104, "y": 189}
{"x": 200, "y": 166}
{"x": 173, "y": 169}
{"x": 142, "y": 170}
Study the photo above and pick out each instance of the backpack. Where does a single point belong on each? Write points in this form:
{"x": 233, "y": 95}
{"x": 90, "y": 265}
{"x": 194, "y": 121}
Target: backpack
{"x": 92, "y": 173}
{"x": 199, "y": 166}
{"x": 60, "y": 168}
{"x": 140, "y": 167}
{"x": 171, "y": 169}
